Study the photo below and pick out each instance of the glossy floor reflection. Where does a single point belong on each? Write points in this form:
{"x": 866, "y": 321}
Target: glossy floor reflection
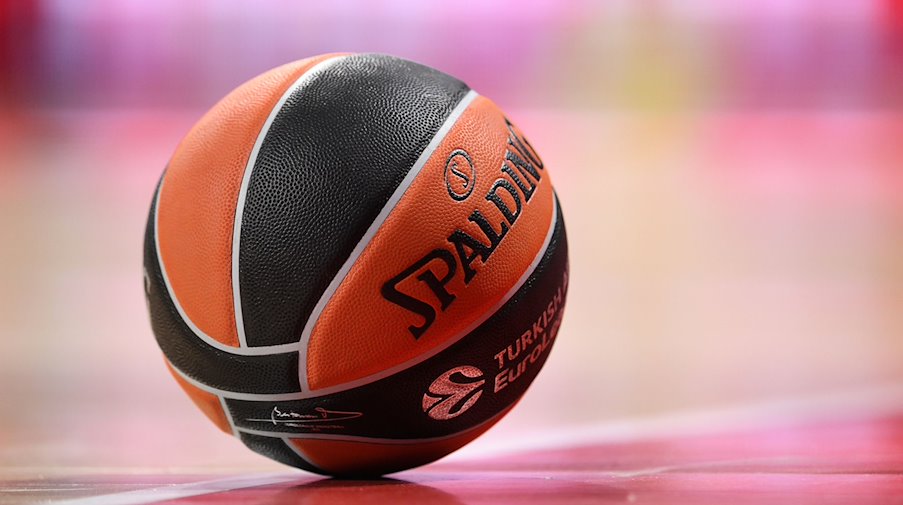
{"x": 858, "y": 460}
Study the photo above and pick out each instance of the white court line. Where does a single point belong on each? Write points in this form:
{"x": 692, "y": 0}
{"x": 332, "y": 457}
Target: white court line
{"x": 877, "y": 400}
{"x": 839, "y": 405}
{"x": 176, "y": 491}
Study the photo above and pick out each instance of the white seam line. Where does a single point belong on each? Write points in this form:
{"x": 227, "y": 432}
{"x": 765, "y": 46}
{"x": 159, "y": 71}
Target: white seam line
{"x": 243, "y": 350}
{"x": 882, "y": 400}
{"x": 243, "y": 191}
{"x": 250, "y": 351}
{"x": 300, "y": 395}
{"x": 233, "y": 395}
{"x": 371, "y": 231}
{"x": 166, "y": 492}
{"x": 228, "y": 413}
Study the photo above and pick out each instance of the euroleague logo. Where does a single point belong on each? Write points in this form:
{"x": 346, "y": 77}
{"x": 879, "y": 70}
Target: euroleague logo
{"x": 448, "y": 398}
{"x": 460, "y": 175}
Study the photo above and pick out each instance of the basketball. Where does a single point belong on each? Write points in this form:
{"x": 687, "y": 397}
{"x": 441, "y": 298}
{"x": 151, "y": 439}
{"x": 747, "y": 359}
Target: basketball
{"x": 355, "y": 264}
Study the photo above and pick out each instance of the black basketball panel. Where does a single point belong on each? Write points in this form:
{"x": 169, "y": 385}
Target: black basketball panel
{"x": 334, "y": 154}
{"x": 268, "y": 374}
{"x": 277, "y": 449}
{"x": 496, "y": 362}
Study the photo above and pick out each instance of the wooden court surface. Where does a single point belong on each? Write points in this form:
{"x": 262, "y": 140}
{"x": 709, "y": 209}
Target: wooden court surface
{"x": 858, "y": 460}
{"x": 717, "y": 260}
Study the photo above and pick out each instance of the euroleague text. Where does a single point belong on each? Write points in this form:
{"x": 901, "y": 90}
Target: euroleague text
{"x": 518, "y": 177}
{"x": 526, "y": 349}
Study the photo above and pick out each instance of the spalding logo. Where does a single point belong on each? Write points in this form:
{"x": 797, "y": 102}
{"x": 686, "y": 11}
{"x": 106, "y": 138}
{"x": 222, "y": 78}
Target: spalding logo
{"x": 460, "y": 175}
{"x": 472, "y": 243}
{"x": 450, "y": 394}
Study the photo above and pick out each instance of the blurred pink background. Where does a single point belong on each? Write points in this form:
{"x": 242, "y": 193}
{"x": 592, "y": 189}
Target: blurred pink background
{"x": 731, "y": 176}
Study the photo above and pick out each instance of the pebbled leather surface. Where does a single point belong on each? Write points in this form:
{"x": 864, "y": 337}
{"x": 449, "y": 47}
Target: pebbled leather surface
{"x": 393, "y": 407}
{"x": 200, "y": 192}
{"x": 331, "y": 159}
{"x": 275, "y": 373}
{"x": 275, "y": 448}
{"x": 360, "y": 332}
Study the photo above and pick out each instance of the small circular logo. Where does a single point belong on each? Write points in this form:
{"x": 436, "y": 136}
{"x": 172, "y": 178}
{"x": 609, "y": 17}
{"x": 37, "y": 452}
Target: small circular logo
{"x": 460, "y": 175}
{"x": 448, "y": 398}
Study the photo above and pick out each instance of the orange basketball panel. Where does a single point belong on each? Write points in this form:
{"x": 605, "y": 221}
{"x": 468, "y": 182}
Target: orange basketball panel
{"x": 209, "y": 403}
{"x": 342, "y": 457}
{"x": 359, "y": 332}
{"x": 197, "y": 201}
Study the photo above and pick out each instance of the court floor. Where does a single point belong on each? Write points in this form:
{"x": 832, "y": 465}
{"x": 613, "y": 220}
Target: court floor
{"x": 717, "y": 260}
{"x": 853, "y": 458}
